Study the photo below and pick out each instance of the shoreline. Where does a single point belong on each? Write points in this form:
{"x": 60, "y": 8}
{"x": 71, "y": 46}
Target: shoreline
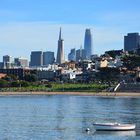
{"x": 98, "y": 94}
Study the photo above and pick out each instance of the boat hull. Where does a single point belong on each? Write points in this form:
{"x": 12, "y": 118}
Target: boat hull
{"x": 114, "y": 127}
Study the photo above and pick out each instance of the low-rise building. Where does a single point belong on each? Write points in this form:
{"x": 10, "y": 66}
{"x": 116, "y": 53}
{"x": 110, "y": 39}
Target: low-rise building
{"x": 101, "y": 64}
{"x": 68, "y": 65}
{"x": 19, "y": 73}
{"x": 69, "y": 74}
{"x": 86, "y": 77}
{"x": 49, "y": 75}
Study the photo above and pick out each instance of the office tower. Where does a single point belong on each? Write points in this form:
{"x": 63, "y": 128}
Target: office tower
{"x": 7, "y": 61}
{"x": 131, "y": 41}
{"x": 1, "y": 65}
{"x": 88, "y": 43}
{"x": 21, "y": 62}
{"x": 80, "y": 55}
{"x": 36, "y": 58}
{"x": 72, "y": 55}
{"x": 60, "y": 50}
{"x": 48, "y": 58}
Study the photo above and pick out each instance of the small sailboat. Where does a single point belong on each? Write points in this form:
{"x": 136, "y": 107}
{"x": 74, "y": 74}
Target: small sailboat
{"x": 113, "y": 127}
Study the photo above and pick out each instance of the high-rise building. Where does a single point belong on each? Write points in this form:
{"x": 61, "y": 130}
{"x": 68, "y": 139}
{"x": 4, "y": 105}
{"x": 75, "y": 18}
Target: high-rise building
{"x": 72, "y": 55}
{"x": 7, "y": 61}
{"x": 60, "y": 51}
{"x": 80, "y": 55}
{"x": 48, "y": 58}
{"x": 88, "y": 43}
{"x": 36, "y": 58}
{"x": 131, "y": 41}
{"x": 21, "y": 62}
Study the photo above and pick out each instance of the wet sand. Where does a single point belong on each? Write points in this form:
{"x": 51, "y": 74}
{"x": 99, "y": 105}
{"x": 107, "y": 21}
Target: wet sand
{"x": 111, "y": 94}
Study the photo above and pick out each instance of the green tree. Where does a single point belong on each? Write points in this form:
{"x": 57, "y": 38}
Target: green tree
{"x": 30, "y": 77}
{"x": 48, "y": 86}
{"x": 114, "y": 53}
{"x": 131, "y": 62}
{"x": 3, "y": 83}
{"x": 10, "y": 77}
{"x": 15, "y": 84}
{"x": 108, "y": 74}
{"x": 24, "y": 84}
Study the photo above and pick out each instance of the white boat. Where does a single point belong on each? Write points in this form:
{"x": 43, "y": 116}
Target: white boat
{"x": 113, "y": 126}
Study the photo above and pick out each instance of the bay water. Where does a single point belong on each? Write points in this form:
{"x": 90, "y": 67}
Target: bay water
{"x": 66, "y": 117}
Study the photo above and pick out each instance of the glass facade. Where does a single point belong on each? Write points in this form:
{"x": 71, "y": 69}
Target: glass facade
{"x": 88, "y": 43}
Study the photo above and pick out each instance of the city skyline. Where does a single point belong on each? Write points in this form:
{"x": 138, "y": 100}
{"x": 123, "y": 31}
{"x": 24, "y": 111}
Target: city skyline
{"x": 27, "y": 26}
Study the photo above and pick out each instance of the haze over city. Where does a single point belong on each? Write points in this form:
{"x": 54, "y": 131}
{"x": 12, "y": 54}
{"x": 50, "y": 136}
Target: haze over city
{"x": 34, "y": 25}
{"x": 69, "y": 69}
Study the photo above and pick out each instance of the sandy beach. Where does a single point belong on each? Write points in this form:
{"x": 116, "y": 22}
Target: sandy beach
{"x": 102, "y": 94}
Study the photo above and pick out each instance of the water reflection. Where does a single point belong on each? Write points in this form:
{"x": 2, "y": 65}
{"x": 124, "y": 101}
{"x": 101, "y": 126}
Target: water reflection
{"x": 116, "y": 133}
{"x": 65, "y": 117}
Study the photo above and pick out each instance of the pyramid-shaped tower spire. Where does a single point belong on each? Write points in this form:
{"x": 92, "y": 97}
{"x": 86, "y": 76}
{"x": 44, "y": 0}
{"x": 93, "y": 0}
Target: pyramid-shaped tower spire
{"x": 60, "y": 51}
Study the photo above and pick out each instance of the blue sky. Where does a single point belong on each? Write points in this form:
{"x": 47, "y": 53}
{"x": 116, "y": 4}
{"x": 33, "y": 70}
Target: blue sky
{"x": 27, "y": 25}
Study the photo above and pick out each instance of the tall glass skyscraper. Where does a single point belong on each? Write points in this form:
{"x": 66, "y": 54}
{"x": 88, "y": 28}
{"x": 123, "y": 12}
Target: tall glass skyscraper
{"x": 72, "y": 55}
{"x": 80, "y": 54}
{"x": 131, "y": 41}
{"x": 48, "y": 58}
{"x": 36, "y": 58}
{"x": 88, "y": 43}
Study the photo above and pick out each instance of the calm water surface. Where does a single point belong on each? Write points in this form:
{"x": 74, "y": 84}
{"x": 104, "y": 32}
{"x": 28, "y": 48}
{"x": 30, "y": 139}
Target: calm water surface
{"x": 59, "y": 117}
